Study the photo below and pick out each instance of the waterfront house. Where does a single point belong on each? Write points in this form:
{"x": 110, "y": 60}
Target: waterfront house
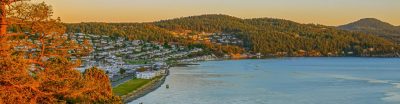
{"x": 145, "y": 75}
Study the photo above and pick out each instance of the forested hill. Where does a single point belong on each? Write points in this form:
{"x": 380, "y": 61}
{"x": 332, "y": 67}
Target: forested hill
{"x": 264, "y": 35}
{"x": 375, "y": 27}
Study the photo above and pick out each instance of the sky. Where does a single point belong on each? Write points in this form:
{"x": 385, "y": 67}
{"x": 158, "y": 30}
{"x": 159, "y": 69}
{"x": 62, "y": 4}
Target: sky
{"x": 326, "y": 12}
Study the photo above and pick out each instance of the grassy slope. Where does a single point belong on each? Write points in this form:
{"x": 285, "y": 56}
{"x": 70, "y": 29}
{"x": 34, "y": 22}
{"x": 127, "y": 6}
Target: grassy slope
{"x": 130, "y": 86}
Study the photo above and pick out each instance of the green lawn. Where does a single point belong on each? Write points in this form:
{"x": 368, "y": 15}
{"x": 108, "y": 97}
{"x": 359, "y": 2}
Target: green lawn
{"x": 130, "y": 86}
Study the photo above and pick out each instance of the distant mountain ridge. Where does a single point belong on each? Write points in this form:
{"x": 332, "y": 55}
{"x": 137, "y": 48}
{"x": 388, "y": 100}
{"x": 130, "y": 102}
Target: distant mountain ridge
{"x": 375, "y": 27}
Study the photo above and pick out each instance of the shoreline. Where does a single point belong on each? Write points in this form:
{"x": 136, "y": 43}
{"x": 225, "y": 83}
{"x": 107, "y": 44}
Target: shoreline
{"x": 144, "y": 90}
{"x": 151, "y": 86}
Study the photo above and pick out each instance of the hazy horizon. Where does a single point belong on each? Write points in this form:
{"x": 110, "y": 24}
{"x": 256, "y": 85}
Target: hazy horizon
{"x": 326, "y": 12}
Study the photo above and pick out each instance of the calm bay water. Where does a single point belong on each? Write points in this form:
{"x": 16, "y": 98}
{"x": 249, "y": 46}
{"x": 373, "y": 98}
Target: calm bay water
{"x": 283, "y": 81}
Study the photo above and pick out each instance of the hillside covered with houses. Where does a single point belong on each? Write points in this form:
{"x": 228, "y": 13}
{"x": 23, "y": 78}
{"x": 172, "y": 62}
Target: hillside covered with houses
{"x": 123, "y": 59}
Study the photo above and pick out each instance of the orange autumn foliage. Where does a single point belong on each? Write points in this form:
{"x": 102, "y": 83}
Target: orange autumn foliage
{"x": 35, "y": 65}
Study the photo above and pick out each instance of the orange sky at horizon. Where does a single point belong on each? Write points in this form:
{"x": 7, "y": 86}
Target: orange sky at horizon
{"x": 326, "y": 12}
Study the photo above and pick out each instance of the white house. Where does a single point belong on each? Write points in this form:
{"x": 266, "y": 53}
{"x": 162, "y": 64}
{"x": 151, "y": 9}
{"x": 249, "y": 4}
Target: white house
{"x": 145, "y": 75}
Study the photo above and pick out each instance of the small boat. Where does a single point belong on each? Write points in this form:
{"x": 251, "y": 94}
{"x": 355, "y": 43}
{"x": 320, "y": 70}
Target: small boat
{"x": 167, "y": 86}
